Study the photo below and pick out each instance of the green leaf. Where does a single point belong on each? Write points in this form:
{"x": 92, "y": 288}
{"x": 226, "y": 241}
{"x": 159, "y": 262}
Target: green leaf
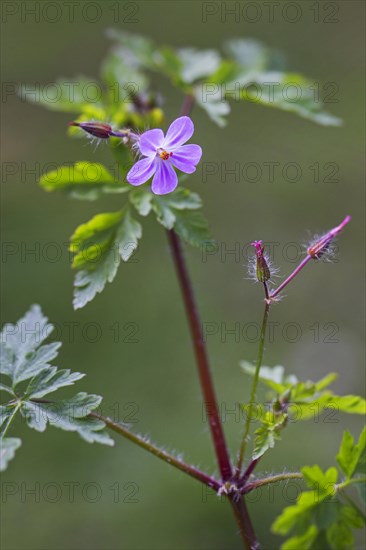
{"x": 323, "y": 482}
{"x": 192, "y": 227}
{"x": 179, "y": 210}
{"x": 83, "y": 180}
{"x": 24, "y": 355}
{"x": 90, "y": 240}
{"x": 6, "y": 354}
{"x": 320, "y": 519}
{"x": 268, "y": 433}
{"x": 168, "y": 62}
{"x": 352, "y": 457}
{"x": 182, "y": 199}
{"x": 70, "y": 415}
{"x": 137, "y": 49}
{"x": 325, "y": 382}
{"x": 339, "y": 533}
{"x": 8, "y": 446}
{"x": 35, "y": 362}
{"x": 317, "y": 506}
{"x": 6, "y": 389}
{"x": 164, "y": 213}
{"x": 289, "y": 92}
{"x": 307, "y": 399}
{"x": 249, "y": 54}
{"x": 197, "y": 64}
{"x": 123, "y": 79}
{"x": 166, "y": 206}
{"x": 65, "y": 95}
{"x": 297, "y": 514}
{"x": 50, "y": 380}
{"x": 141, "y": 199}
{"x": 273, "y": 377}
{"x": 99, "y": 246}
{"x": 352, "y": 404}
{"x": 7, "y": 411}
{"x": 302, "y": 542}
{"x": 313, "y": 407}
{"x": 23, "y": 337}
{"x": 89, "y": 283}
{"x": 27, "y": 357}
{"x": 209, "y": 98}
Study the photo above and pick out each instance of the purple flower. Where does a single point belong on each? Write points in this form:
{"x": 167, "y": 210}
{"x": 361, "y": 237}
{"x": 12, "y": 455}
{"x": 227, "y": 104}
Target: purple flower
{"x": 163, "y": 153}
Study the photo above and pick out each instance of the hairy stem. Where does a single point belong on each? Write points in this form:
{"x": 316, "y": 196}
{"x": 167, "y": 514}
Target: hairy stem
{"x": 160, "y": 453}
{"x": 244, "y": 523}
{"x": 239, "y": 507}
{"x": 203, "y": 366}
{"x": 153, "y": 449}
{"x": 201, "y": 358}
{"x": 270, "y": 479}
{"x": 248, "y": 472}
{"x": 315, "y": 251}
{"x": 253, "y": 391}
{"x": 301, "y": 265}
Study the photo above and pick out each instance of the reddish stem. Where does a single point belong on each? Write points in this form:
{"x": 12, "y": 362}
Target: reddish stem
{"x": 315, "y": 251}
{"x": 201, "y": 357}
{"x": 301, "y": 265}
{"x": 244, "y": 523}
{"x": 248, "y": 472}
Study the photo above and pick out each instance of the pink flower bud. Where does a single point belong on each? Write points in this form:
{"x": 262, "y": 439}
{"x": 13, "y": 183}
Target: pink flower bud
{"x": 95, "y": 129}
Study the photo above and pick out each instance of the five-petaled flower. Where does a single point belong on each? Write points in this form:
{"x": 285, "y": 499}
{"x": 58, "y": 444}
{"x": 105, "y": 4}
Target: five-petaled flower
{"x": 164, "y": 153}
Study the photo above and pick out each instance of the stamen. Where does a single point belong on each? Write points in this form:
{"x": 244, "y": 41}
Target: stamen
{"x": 164, "y": 155}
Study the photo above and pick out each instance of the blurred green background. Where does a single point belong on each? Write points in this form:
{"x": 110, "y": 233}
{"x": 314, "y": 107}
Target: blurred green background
{"x": 152, "y": 382}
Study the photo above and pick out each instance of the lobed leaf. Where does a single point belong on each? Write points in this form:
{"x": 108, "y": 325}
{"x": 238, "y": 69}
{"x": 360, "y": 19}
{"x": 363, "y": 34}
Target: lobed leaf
{"x": 197, "y": 64}
{"x": 65, "y": 95}
{"x": 22, "y": 355}
{"x": 141, "y": 198}
{"x": 352, "y": 456}
{"x": 8, "y": 446}
{"x": 50, "y": 380}
{"x": 211, "y": 101}
{"x": 70, "y": 415}
{"x": 180, "y": 210}
{"x": 25, "y": 357}
{"x": 83, "y": 180}
{"x": 251, "y": 55}
{"x": 99, "y": 246}
{"x": 320, "y": 518}
{"x": 272, "y": 423}
{"x": 286, "y": 91}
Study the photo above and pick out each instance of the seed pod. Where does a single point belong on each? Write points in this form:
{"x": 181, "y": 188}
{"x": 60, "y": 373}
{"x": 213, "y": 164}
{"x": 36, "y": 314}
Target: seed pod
{"x": 262, "y": 271}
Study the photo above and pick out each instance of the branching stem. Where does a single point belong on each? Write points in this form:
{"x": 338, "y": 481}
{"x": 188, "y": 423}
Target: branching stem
{"x": 253, "y": 390}
{"x": 160, "y": 453}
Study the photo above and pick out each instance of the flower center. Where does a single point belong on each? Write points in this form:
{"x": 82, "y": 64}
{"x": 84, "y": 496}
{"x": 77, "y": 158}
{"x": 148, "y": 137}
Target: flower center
{"x": 164, "y": 155}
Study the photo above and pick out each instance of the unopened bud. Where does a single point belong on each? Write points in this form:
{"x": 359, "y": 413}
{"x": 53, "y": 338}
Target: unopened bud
{"x": 96, "y": 129}
{"x": 105, "y": 131}
{"x": 262, "y": 271}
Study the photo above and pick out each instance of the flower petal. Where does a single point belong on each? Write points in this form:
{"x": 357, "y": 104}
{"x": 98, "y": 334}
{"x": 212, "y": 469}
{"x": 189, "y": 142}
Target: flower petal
{"x": 186, "y": 157}
{"x": 141, "y": 171}
{"x": 180, "y": 131}
{"x": 150, "y": 141}
{"x": 165, "y": 179}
